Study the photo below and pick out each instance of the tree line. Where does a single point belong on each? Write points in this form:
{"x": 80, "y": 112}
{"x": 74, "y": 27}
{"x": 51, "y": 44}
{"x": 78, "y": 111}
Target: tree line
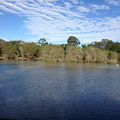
{"x": 105, "y": 51}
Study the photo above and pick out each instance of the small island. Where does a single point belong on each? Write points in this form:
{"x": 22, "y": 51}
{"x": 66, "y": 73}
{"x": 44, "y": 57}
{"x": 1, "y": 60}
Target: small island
{"x": 105, "y": 51}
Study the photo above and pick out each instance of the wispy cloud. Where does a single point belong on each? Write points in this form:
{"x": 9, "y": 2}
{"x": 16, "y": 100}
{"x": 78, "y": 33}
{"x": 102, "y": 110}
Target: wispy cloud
{"x": 57, "y": 20}
{"x": 83, "y": 9}
{"x": 3, "y": 8}
{"x": 68, "y": 5}
{"x": 113, "y": 2}
{"x": 11, "y": 5}
{"x": 1, "y": 13}
{"x": 100, "y": 7}
{"x": 75, "y": 1}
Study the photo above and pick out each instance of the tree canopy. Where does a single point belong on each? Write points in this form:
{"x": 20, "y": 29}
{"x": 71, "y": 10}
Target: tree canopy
{"x": 42, "y": 41}
{"x": 29, "y": 49}
{"x": 104, "y": 51}
{"x": 72, "y": 40}
{"x": 108, "y": 45}
{"x": 11, "y": 49}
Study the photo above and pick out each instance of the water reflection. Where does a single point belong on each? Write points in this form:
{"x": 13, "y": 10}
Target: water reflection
{"x": 35, "y": 90}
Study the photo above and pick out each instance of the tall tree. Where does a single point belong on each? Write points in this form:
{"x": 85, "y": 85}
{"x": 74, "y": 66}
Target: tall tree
{"x": 104, "y": 43}
{"x": 109, "y": 45}
{"x": 42, "y": 41}
{"x": 72, "y": 40}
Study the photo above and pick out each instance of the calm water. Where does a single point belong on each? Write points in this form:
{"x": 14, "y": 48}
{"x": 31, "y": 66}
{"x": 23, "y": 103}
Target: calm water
{"x": 45, "y": 91}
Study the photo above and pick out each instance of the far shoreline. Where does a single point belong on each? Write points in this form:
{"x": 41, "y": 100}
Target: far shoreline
{"x": 72, "y": 52}
{"x": 64, "y": 61}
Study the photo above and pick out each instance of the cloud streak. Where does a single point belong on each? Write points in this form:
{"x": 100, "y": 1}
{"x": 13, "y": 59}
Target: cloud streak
{"x": 113, "y": 2}
{"x": 1, "y": 13}
{"x": 57, "y": 20}
{"x": 100, "y": 7}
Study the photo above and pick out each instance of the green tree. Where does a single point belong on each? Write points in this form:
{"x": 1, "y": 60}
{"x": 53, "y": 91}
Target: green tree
{"x": 42, "y": 41}
{"x": 84, "y": 45}
{"x": 116, "y": 47}
{"x": 109, "y": 45}
{"x": 96, "y": 44}
{"x": 11, "y": 49}
{"x": 101, "y": 44}
{"x": 2, "y": 45}
{"x": 104, "y": 43}
{"x": 29, "y": 50}
{"x": 72, "y": 40}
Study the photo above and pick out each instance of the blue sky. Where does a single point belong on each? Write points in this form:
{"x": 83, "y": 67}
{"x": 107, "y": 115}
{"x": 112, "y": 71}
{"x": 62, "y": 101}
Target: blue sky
{"x": 56, "y": 20}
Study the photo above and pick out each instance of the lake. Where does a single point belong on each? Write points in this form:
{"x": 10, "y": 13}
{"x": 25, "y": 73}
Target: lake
{"x": 59, "y": 91}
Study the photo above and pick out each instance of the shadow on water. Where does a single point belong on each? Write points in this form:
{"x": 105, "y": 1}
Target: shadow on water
{"x": 79, "y": 109}
{"x": 42, "y": 91}
{"x": 2, "y": 103}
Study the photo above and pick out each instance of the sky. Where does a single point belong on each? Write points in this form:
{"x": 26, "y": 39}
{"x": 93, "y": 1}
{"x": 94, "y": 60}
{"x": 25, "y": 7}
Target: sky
{"x": 56, "y": 20}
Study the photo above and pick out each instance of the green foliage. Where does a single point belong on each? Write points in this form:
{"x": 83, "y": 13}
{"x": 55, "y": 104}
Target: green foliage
{"x": 96, "y": 44}
{"x": 11, "y": 49}
{"x": 92, "y": 54}
{"x": 51, "y": 52}
{"x": 64, "y": 46}
{"x": 2, "y": 45}
{"x": 113, "y": 46}
{"x": 42, "y": 41}
{"x": 103, "y": 43}
{"x": 119, "y": 57}
{"x": 29, "y": 50}
{"x": 84, "y": 45}
{"x": 72, "y": 40}
{"x": 74, "y": 54}
{"x": 105, "y": 51}
{"x": 112, "y": 55}
{"x": 109, "y": 45}
{"x": 116, "y": 47}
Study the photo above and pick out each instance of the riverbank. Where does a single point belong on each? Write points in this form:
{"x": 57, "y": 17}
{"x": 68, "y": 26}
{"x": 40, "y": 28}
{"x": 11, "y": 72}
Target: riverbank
{"x": 14, "y": 50}
{"x": 57, "y": 61}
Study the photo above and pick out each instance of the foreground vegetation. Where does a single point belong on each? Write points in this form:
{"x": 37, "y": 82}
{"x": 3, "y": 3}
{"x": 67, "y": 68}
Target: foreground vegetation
{"x": 105, "y": 51}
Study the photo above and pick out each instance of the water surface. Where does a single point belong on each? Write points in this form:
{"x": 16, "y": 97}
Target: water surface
{"x": 47, "y": 91}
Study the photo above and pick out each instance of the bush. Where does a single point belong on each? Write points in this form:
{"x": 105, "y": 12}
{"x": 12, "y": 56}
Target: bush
{"x": 10, "y": 50}
{"x": 74, "y": 54}
{"x": 92, "y": 54}
{"x": 29, "y": 50}
{"x": 51, "y": 52}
